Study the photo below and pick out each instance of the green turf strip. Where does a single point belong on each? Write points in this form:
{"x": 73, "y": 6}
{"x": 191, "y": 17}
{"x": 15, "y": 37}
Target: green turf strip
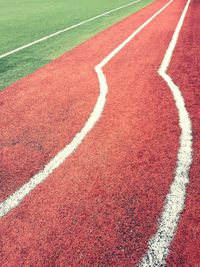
{"x": 24, "y": 21}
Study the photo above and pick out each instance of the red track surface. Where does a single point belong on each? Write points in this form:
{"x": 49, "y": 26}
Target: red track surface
{"x": 101, "y": 206}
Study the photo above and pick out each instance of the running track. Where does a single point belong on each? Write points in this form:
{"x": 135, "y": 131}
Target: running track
{"x": 101, "y": 206}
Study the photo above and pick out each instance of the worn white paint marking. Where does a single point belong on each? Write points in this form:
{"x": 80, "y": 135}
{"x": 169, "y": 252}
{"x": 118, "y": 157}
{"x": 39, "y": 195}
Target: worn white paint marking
{"x": 174, "y": 204}
{"x": 15, "y": 199}
{"x": 67, "y": 29}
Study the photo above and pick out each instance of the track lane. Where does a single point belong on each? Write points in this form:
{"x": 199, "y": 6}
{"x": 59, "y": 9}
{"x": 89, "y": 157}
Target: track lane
{"x": 15, "y": 199}
{"x": 34, "y": 130}
{"x": 160, "y": 242}
{"x": 185, "y": 247}
{"x": 109, "y": 216}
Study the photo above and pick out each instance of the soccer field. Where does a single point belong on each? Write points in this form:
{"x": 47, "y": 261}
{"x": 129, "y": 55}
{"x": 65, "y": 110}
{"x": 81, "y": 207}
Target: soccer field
{"x": 22, "y": 22}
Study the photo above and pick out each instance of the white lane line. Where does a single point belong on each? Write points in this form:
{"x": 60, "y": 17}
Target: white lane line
{"x": 159, "y": 244}
{"x": 15, "y": 199}
{"x": 67, "y": 29}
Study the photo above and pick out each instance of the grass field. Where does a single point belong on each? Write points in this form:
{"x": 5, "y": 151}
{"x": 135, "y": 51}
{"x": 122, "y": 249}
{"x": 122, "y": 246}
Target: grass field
{"x": 22, "y": 22}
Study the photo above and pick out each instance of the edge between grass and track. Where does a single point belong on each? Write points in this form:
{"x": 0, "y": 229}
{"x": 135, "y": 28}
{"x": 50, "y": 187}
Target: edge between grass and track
{"x": 25, "y": 59}
{"x": 65, "y": 30}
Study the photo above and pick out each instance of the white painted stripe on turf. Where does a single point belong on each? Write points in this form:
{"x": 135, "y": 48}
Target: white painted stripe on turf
{"x": 67, "y": 29}
{"x": 174, "y": 204}
{"x": 15, "y": 199}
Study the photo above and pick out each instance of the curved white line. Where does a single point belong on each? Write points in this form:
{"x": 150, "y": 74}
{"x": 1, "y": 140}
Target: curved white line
{"x": 66, "y": 29}
{"x": 15, "y": 199}
{"x": 174, "y": 204}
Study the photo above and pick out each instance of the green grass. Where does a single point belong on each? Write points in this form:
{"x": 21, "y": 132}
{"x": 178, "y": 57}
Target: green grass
{"x": 24, "y": 21}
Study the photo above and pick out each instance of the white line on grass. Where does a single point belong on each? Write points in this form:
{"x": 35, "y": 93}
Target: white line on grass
{"x": 66, "y": 29}
{"x": 174, "y": 204}
{"x": 15, "y": 199}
